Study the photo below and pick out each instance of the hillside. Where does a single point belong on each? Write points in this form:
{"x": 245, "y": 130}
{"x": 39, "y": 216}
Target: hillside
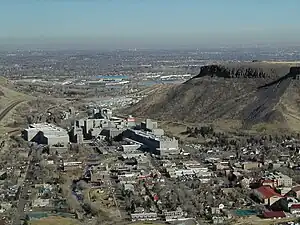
{"x": 7, "y": 94}
{"x": 9, "y": 101}
{"x": 248, "y": 95}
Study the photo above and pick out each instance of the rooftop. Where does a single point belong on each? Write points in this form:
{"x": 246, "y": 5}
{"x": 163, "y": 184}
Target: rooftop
{"x": 47, "y": 129}
{"x": 274, "y": 214}
{"x": 150, "y": 135}
{"x": 267, "y": 192}
{"x": 295, "y": 206}
{"x": 275, "y": 175}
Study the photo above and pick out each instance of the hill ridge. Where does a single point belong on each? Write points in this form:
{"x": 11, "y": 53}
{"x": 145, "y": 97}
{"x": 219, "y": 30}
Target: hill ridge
{"x": 213, "y": 95}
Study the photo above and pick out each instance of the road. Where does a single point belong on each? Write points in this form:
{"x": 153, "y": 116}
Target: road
{"x": 4, "y": 112}
{"x": 31, "y": 173}
{"x": 20, "y": 214}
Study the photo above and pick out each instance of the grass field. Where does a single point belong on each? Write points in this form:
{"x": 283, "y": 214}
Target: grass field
{"x": 55, "y": 221}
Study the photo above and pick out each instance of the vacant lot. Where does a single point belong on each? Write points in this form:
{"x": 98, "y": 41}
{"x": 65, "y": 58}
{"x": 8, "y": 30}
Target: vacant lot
{"x": 55, "y": 221}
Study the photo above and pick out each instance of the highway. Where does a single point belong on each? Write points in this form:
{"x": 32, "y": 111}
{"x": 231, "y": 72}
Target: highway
{"x": 12, "y": 105}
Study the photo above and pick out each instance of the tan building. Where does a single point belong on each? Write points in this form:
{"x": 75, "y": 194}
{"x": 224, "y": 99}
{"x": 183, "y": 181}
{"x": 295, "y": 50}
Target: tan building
{"x": 251, "y": 165}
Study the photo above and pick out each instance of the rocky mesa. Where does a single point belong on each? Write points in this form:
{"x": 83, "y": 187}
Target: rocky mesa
{"x": 249, "y": 95}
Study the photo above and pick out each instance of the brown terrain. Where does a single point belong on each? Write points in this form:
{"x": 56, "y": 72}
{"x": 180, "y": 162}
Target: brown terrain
{"x": 249, "y": 96}
{"x": 10, "y": 100}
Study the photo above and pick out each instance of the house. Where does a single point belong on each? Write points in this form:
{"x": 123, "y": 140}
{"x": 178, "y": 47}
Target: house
{"x": 278, "y": 179}
{"x": 267, "y": 182}
{"x": 245, "y": 182}
{"x": 173, "y": 215}
{"x": 128, "y": 187}
{"x": 41, "y": 202}
{"x": 143, "y": 216}
{"x": 266, "y": 195}
{"x": 223, "y": 165}
{"x": 285, "y": 204}
{"x": 295, "y": 209}
{"x": 218, "y": 220}
{"x": 274, "y": 214}
{"x": 251, "y": 165}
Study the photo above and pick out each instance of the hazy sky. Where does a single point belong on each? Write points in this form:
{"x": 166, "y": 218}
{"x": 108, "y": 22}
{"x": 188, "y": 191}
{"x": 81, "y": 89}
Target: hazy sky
{"x": 150, "y": 22}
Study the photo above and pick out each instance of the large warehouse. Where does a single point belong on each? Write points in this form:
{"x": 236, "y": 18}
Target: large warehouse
{"x": 159, "y": 145}
{"x": 44, "y": 133}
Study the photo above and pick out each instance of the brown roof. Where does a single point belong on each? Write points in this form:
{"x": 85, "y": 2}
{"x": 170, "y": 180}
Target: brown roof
{"x": 295, "y": 206}
{"x": 274, "y": 214}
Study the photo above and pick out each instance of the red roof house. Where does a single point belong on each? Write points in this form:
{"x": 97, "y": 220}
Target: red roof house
{"x": 267, "y": 195}
{"x": 295, "y": 209}
{"x": 274, "y": 214}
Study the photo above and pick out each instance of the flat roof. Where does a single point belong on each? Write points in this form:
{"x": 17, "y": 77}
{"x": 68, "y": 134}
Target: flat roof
{"x": 48, "y": 129}
{"x": 150, "y": 135}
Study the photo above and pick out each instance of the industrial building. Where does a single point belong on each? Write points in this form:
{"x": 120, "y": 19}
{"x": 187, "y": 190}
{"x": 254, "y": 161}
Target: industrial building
{"x": 153, "y": 139}
{"x": 48, "y": 134}
{"x": 100, "y": 123}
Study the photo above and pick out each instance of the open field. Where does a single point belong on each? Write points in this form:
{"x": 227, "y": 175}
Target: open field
{"x": 55, "y": 221}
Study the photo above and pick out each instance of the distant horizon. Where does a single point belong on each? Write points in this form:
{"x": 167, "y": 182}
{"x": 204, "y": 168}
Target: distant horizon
{"x": 125, "y": 44}
{"x": 115, "y": 24}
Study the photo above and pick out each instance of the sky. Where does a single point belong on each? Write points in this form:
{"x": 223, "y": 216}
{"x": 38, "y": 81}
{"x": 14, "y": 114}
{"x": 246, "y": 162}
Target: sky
{"x": 138, "y": 23}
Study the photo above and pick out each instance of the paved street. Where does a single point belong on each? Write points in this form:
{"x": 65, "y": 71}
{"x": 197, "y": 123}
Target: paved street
{"x": 30, "y": 174}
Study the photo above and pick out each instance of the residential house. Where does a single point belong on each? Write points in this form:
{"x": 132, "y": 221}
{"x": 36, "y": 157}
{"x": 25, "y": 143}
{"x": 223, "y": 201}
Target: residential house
{"x": 266, "y": 195}
{"x": 143, "y": 216}
{"x": 173, "y": 215}
{"x": 295, "y": 209}
{"x": 274, "y": 214}
{"x": 285, "y": 204}
{"x": 251, "y": 165}
{"x": 278, "y": 179}
{"x": 268, "y": 182}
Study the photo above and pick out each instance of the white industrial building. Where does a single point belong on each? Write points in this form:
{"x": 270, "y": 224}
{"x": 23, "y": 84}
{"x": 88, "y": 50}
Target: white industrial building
{"x": 156, "y": 144}
{"x": 100, "y": 123}
{"x": 44, "y": 133}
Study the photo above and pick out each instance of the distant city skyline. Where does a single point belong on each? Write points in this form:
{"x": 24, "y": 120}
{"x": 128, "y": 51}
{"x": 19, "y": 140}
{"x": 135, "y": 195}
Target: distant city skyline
{"x": 148, "y": 23}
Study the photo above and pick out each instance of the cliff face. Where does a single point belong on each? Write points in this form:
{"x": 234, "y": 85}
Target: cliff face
{"x": 249, "y": 95}
{"x": 253, "y": 70}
